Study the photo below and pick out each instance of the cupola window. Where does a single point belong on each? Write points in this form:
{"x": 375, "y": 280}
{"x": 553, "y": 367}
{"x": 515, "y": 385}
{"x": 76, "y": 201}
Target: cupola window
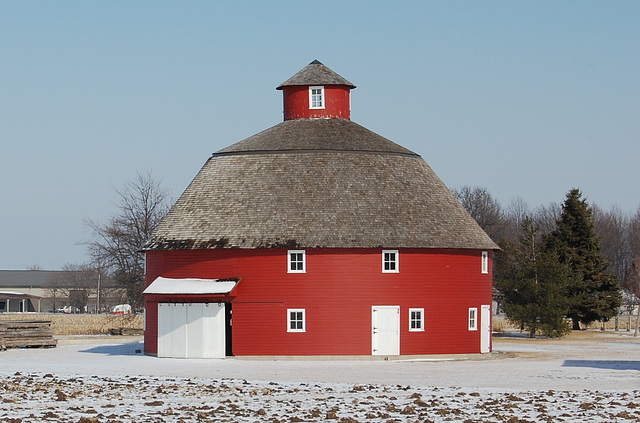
{"x": 316, "y": 97}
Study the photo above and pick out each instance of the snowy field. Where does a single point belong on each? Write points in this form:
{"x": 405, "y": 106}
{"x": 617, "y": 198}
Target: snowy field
{"x": 586, "y": 377}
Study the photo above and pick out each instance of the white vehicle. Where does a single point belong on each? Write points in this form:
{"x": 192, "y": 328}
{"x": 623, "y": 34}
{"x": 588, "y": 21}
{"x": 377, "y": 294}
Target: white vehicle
{"x": 121, "y": 309}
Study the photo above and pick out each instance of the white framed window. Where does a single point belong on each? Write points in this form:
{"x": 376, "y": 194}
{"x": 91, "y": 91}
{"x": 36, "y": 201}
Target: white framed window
{"x": 296, "y": 320}
{"x": 416, "y": 320}
{"x": 316, "y": 97}
{"x": 296, "y": 261}
{"x": 390, "y": 261}
{"x": 485, "y": 262}
{"x": 473, "y": 318}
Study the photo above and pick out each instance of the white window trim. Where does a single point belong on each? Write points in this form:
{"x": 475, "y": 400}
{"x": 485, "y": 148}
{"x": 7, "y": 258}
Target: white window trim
{"x": 304, "y": 319}
{"x": 304, "y": 261}
{"x": 473, "y": 318}
{"x": 421, "y": 311}
{"x": 316, "y": 87}
{"x": 396, "y": 261}
{"x": 485, "y": 262}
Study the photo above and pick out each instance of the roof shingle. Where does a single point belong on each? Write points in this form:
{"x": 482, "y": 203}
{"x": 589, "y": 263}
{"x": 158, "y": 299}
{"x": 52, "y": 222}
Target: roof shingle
{"x": 315, "y": 73}
{"x": 325, "y": 183}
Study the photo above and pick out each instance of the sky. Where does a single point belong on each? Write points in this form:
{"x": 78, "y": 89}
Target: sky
{"x": 525, "y": 99}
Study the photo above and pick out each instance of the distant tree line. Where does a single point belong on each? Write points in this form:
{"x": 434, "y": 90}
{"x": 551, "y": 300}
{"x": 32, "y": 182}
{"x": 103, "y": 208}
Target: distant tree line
{"x": 560, "y": 263}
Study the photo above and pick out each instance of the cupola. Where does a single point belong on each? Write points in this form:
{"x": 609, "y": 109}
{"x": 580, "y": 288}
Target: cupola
{"x": 316, "y": 92}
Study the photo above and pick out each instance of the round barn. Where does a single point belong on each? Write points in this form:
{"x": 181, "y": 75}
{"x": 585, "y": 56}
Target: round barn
{"x": 318, "y": 237}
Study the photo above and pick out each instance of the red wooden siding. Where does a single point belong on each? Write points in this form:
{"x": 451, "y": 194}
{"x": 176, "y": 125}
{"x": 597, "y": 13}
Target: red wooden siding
{"x": 296, "y": 103}
{"x": 337, "y": 291}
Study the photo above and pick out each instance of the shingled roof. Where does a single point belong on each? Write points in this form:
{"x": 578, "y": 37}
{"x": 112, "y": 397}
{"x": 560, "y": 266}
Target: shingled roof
{"x": 315, "y": 73}
{"x": 325, "y": 183}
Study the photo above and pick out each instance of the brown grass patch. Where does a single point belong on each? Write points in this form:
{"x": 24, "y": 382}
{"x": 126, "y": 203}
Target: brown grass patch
{"x": 627, "y": 323}
{"x": 82, "y": 324}
{"x": 101, "y": 324}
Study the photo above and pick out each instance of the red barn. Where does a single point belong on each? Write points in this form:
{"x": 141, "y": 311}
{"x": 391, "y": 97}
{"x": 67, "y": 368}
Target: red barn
{"x": 317, "y": 237}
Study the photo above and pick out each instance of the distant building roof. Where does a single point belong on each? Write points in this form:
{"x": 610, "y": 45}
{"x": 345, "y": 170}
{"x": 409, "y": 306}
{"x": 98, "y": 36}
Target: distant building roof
{"x": 315, "y": 73}
{"x": 28, "y": 278}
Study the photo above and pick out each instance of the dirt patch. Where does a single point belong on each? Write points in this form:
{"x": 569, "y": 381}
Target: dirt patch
{"x": 47, "y": 397}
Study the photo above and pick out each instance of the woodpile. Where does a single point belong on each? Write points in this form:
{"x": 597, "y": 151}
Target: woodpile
{"x": 17, "y": 334}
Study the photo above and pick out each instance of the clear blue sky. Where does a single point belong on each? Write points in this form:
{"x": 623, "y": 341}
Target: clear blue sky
{"x": 527, "y": 99}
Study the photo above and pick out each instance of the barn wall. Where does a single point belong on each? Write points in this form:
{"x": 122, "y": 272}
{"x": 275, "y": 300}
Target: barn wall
{"x": 337, "y": 291}
{"x": 296, "y": 103}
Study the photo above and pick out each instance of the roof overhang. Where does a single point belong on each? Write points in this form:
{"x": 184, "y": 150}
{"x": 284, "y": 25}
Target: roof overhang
{"x": 190, "y": 286}
{"x": 9, "y": 295}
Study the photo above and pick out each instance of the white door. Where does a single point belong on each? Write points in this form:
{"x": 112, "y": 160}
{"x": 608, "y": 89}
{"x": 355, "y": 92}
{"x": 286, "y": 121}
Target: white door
{"x": 172, "y": 330}
{"x": 195, "y": 330}
{"x": 385, "y": 326}
{"x": 485, "y": 328}
{"x": 206, "y": 330}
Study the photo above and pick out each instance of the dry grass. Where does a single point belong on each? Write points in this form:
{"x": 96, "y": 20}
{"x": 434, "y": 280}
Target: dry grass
{"x": 81, "y": 324}
{"x": 624, "y": 323}
{"x": 91, "y": 324}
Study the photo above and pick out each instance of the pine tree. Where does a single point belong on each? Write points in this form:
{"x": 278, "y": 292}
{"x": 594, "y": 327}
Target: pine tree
{"x": 593, "y": 293}
{"x": 533, "y": 283}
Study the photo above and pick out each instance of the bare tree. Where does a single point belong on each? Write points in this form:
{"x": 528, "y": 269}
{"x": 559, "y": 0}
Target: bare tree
{"x": 632, "y": 285}
{"x": 484, "y": 208}
{"x": 634, "y": 234}
{"x": 110, "y": 294}
{"x": 516, "y": 213}
{"x": 546, "y": 217}
{"x": 80, "y": 283}
{"x": 613, "y": 229}
{"x": 143, "y": 202}
{"x": 71, "y": 287}
{"x": 56, "y": 292}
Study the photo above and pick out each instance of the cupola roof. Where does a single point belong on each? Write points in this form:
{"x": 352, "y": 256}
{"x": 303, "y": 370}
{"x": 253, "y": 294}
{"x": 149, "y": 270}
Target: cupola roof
{"x": 315, "y": 73}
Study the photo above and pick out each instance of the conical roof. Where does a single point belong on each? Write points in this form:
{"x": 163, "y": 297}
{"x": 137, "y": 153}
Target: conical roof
{"x": 317, "y": 183}
{"x": 315, "y": 73}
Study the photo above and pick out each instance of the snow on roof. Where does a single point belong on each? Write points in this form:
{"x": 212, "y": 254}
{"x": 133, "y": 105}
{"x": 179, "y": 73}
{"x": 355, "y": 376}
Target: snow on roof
{"x": 15, "y": 295}
{"x": 187, "y": 286}
{"x": 12, "y": 293}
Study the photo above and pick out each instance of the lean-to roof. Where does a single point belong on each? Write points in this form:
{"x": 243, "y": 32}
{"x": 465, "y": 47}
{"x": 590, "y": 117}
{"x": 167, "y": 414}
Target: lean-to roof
{"x": 325, "y": 183}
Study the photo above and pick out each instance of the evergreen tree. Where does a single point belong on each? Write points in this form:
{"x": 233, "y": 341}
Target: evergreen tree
{"x": 593, "y": 293}
{"x": 533, "y": 283}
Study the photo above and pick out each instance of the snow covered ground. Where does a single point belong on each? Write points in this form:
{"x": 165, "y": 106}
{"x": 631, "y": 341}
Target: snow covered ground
{"x": 588, "y": 376}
